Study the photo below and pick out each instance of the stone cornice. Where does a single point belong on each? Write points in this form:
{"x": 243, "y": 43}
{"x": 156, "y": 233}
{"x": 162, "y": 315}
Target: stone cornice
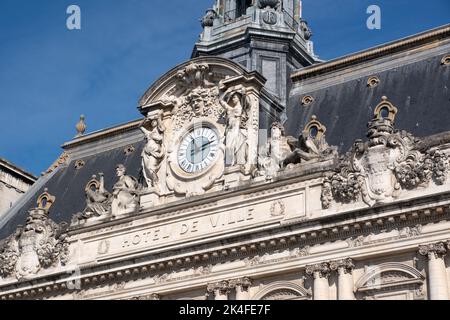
{"x": 203, "y": 202}
{"x": 17, "y": 172}
{"x": 52, "y": 285}
{"x": 374, "y": 53}
{"x": 94, "y": 136}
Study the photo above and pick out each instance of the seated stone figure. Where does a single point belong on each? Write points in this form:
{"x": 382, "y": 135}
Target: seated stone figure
{"x": 125, "y": 197}
{"x": 276, "y": 151}
{"x": 311, "y": 145}
{"x": 98, "y": 200}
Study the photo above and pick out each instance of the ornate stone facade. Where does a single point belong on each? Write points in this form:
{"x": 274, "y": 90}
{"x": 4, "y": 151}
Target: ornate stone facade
{"x": 219, "y": 196}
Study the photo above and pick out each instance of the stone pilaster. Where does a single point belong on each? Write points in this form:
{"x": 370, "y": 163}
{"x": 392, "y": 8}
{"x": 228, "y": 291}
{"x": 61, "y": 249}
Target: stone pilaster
{"x": 241, "y": 286}
{"x": 344, "y": 269}
{"x": 320, "y": 273}
{"x": 437, "y": 274}
{"x": 220, "y": 290}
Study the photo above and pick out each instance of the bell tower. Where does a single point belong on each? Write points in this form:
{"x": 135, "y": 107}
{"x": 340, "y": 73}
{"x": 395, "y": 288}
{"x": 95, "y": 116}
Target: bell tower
{"x": 268, "y": 36}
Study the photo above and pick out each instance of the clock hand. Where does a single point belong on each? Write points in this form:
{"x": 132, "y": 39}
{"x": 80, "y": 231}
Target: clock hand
{"x": 206, "y": 145}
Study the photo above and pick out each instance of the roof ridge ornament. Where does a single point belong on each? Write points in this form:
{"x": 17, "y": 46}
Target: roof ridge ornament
{"x": 81, "y": 126}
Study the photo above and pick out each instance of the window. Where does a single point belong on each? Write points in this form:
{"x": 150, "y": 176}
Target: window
{"x": 241, "y": 7}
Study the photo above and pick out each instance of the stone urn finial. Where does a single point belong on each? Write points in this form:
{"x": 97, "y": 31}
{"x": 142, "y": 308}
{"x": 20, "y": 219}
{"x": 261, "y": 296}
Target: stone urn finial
{"x": 208, "y": 18}
{"x": 81, "y": 127}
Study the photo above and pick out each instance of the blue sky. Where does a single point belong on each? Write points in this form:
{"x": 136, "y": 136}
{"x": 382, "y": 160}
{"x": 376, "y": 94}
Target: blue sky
{"x": 50, "y": 75}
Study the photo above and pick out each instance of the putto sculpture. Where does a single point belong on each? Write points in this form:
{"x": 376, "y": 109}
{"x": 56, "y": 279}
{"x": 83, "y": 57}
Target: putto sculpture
{"x": 40, "y": 244}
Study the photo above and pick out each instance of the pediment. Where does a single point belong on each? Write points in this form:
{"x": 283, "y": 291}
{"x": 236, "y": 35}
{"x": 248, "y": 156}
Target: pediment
{"x": 217, "y": 70}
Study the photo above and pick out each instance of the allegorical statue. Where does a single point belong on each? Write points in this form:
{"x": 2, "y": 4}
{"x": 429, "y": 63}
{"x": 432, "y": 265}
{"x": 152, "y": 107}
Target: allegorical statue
{"x": 311, "y": 144}
{"x": 236, "y": 146}
{"x": 276, "y": 151}
{"x": 125, "y": 198}
{"x": 153, "y": 152}
{"x": 98, "y": 200}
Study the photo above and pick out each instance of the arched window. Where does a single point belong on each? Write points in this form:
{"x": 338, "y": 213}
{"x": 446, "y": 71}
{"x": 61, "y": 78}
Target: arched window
{"x": 389, "y": 281}
{"x": 283, "y": 291}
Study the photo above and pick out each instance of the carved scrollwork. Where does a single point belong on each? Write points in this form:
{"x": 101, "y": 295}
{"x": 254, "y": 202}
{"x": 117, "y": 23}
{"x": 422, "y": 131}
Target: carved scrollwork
{"x": 343, "y": 265}
{"x": 244, "y": 283}
{"x": 377, "y": 170}
{"x": 41, "y": 244}
{"x": 321, "y": 270}
{"x": 222, "y": 287}
{"x": 438, "y": 249}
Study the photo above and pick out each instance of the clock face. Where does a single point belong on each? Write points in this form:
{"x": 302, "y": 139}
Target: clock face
{"x": 198, "y": 150}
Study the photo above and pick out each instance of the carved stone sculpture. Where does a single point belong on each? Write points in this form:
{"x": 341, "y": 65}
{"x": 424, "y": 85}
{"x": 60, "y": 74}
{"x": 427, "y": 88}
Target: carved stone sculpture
{"x": 154, "y": 151}
{"x": 273, "y": 4}
{"x": 377, "y": 170}
{"x": 307, "y": 33}
{"x": 310, "y": 146}
{"x": 236, "y": 131}
{"x": 98, "y": 200}
{"x": 208, "y": 19}
{"x": 39, "y": 245}
{"x": 125, "y": 198}
{"x": 276, "y": 151}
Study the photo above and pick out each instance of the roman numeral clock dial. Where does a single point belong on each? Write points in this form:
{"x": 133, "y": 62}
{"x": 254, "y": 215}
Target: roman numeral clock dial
{"x": 198, "y": 150}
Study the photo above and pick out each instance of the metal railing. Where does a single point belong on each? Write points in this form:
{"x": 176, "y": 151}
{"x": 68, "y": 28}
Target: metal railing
{"x": 290, "y": 21}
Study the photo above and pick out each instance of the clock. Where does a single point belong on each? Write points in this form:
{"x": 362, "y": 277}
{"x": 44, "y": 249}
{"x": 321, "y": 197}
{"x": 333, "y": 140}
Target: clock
{"x": 198, "y": 150}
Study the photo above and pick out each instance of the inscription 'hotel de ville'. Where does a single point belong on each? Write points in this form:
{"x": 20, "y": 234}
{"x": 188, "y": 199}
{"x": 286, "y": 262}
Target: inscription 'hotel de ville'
{"x": 256, "y": 171}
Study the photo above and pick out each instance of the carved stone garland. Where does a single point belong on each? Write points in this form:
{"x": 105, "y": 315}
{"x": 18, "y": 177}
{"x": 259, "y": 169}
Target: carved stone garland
{"x": 377, "y": 170}
{"x": 41, "y": 244}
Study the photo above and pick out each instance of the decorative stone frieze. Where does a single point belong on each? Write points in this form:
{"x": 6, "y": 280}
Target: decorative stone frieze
{"x": 152, "y": 296}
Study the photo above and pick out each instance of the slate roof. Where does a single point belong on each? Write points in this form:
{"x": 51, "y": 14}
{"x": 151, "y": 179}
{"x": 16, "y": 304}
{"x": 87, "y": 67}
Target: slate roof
{"x": 67, "y": 184}
{"x": 419, "y": 86}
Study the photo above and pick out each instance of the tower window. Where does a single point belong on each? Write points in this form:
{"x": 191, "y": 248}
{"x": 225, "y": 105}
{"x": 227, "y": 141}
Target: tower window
{"x": 241, "y": 7}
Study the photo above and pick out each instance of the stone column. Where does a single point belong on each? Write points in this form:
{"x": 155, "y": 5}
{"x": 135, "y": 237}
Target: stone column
{"x": 344, "y": 269}
{"x": 242, "y": 288}
{"x": 437, "y": 274}
{"x": 320, "y": 273}
{"x": 219, "y": 289}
